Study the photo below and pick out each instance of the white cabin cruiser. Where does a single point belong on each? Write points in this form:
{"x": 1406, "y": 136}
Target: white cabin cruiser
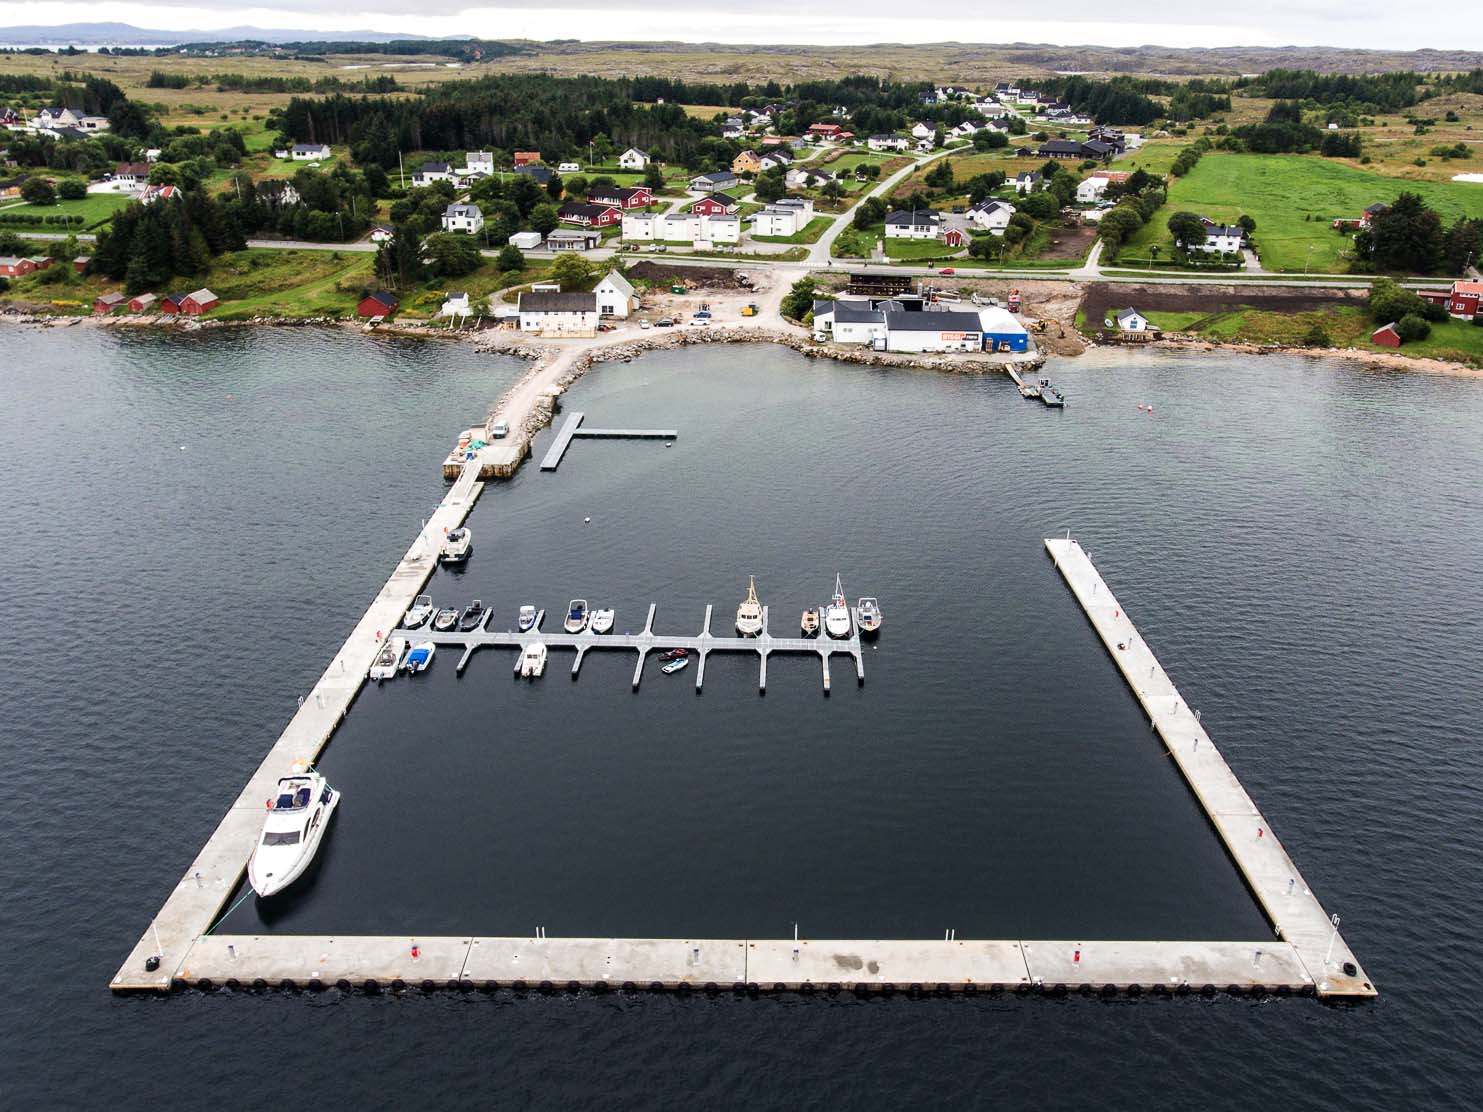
{"x": 456, "y": 546}
{"x": 527, "y": 618}
{"x": 533, "y": 660}
{"x": 296, "y": 820}
{"x": 388, "y": 659}
{"x": 837, "y": 613}
{"x": 420, "y": 612}
{"x": 576, "y": 616}
{"x": 602, "y": 621}
{"x": 868, "y": 610}
{"x": 749, "y": 613}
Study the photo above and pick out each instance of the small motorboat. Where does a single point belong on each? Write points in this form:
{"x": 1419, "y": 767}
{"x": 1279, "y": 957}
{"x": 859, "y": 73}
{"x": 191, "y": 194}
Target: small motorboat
{"x": 419, "y": 657}
{"x": 297, "y": 817}
{"x": 602, "y": 621}
{"x": 680, "y": 663}
{"x": 868, "y": 611}
{"x": 576, "y": 616}
{"x": 457, "y": 546}
{"x": 533, "y": 660}
{"x": 446, "y": 619}
{"x": 749, "y": 613}
{"x": 837, "y": 613}
{"x": 810, "y": 622}
{"x": 388, "y": 659}
{"x": 419, "y": 613}
{"x": 527, "y": 618}
{"x": 674, "y": 654}
{"x": 473, "y": 616}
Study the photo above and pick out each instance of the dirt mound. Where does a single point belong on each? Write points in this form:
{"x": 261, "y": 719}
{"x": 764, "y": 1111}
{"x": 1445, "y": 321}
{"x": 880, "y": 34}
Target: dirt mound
{"x": 694, "y": 277}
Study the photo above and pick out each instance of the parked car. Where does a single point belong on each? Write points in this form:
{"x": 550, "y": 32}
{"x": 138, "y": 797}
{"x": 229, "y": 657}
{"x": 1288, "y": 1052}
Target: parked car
{"x": 645, "y": 324}
{"x": 499, "y": 430}
{"x": 664, "y": 322}
{"x": 703, "y": 314}
{"x": 947, "y": 270}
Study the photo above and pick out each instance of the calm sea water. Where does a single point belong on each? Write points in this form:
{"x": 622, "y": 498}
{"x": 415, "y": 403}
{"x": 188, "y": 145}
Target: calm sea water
{"x": 194, "y": 523}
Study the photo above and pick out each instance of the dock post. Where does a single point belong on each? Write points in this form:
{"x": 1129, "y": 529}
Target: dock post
{"x": 464, "y": 659}
{"x": 762, "y": 674}
{"x": 824, "y": 656}
{"x": 705, "y": 629}
{"x": 577, "y": 664}
{"x": 700, "y": 671}
{"x": 859, "y": 667}
{"x": 638, "y": 669}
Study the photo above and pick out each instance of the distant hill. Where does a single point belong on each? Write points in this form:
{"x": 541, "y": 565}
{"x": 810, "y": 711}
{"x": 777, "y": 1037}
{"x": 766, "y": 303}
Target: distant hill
{"x": 126, "y": 34}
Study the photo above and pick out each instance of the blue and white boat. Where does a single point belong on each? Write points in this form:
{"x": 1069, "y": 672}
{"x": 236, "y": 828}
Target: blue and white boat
{"x": 419, "y": 657}
{"x": 576, "y": 616}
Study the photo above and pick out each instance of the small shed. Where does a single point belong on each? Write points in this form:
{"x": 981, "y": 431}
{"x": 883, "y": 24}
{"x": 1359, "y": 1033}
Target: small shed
{"x": 140, "y": 303}
{"x": 171, "y": 303}
{"x": 107, "y": 302}
{"x": 377, "y": 304}
{"x": 1386, "y": 336}
{"x": 80, "y": 264}
{"x": 201, "y": 301}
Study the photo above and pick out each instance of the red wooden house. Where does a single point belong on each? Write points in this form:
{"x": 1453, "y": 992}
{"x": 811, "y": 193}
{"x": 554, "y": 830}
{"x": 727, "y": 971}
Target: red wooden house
{"x": 589, "y": 216}
{"x": 1386, "y": 336}
{"x": 12, "y": 267}
{"x": 377, "y": 304}
{"x": 953, "y": 237}
{"x": 825, "y": 131}
{"x": 717, "y": 204}
{"x": 202, "y": 301}
{"x": 527, "y": 158}
{"x": 631, "y": 197}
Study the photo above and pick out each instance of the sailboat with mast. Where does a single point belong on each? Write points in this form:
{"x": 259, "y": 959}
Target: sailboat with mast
{"x": 837, "y": 613}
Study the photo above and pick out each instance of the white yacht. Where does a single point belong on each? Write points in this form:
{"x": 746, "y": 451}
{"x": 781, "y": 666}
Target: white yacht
{"x": 576, "y": 616}
{"x": 527, "y": 618}
{"x": 837, "y": 613}
{"x": 419, "y": 657}
{"x": 533, "y": 660}
{"x": 602, "y": 621}
{"x": 388, "y": 660}
{"x": 456, "y": 546}
{"x": 420, "y": 612}
{"x": 749, "y": 613}
{"x": 868, "y": 612}
{"x": 292, "y": 831}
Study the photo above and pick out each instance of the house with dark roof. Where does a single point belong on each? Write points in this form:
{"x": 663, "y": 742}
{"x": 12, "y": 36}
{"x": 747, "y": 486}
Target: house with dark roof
{"x": 537, "y": 173}
{"x": 1059, "y": 148}
{"x": 463, "y": 218}
{"x": 431, "y": 172}
{"x": 627, "y": 197}
{"x": 913, "y": 224}
{"x": 588, "y": 215}
{"x": 379, "y": 303}
{"x": 714, "y": 182}
{"x": 558, "y": 314}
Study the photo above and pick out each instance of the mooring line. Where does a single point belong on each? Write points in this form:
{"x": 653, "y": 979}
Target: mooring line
{"x": 231, "y": 909}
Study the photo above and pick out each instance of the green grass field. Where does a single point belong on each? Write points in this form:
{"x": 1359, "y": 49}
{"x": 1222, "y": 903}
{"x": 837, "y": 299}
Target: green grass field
{"x": 1293, "y": 199}
{"x": 86, "y": 212}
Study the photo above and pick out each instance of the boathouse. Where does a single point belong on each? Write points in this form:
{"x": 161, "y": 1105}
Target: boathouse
{"x": 377, "y": 304}
{"x": 107, "y": 302}
{"x": 201, "y": 301}
{"x": 141, "y": 302}
{"x": 1386, "y": 336}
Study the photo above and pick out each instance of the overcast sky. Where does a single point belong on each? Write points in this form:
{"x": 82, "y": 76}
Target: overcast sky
{"x": 1362, "y": 23}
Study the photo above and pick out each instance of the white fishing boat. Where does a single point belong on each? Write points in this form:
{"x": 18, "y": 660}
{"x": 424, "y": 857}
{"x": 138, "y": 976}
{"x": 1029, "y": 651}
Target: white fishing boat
{"x": 837, "y": 613}
{"x": 295, "y": 824}
{"x": 388, "y": 659}
{"x": 533, "y": 660}
{"x": 457, "y": 546}
{"x": 420, "y": 612}
{"x": 419, "y": 657}
{"x": 527, "y": 618}
{"x": 868, "y": 612}
{"x": 602, "y": 621}
{"x": 679, "y": 664}
{"x": 576, "y": 616}
{"x": 445, "y": 619}
{"x": 749, "y": 613}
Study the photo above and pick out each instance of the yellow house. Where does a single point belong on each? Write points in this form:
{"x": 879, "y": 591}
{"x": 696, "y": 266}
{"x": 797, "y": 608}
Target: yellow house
{"x": 746, "y": 163}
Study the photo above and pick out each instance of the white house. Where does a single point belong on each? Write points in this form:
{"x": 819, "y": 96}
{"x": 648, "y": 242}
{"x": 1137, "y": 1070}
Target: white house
{"x": 309, "y": 152}
{"x": 456, "y": 305}
{"x": 633, "y": 159}
{"x": 1220, "y": 239}
{"x": 381, "y": 234}
{"x": 923, "y": 131}
{"x": 1028, "y": 181}
{"x": 886, "y": 142}
{"x": 640, "y": 226}
{"x": 1091, "y": 189}
{"x": 775, "y": 220}
{"x": 55, "y": 117}
{"x": 614, "y": 295}
{"x": 719, "y": 229}
{"x": 430, "y": 172}
{"x": 775, "y": 160}
{"x": 559, "y": 314}
{"x": 463, "y": 218}
{"x": 94, "y": 123}
{"x": 478, "y": 162}
{"x": 857, "y": 323}
{"x": 990, "y": 215}
{"x": 913, "y": 224}
{"x": 1131, "y": 320}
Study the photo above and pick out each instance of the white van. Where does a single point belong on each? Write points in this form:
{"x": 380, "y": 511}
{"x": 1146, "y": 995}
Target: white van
{"x": 500, "y": 429}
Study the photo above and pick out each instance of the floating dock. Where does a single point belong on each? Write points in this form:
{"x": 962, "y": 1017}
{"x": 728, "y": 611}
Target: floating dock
{"x": 571, "y": 429}
{"x": 1298, "y": 918}
{"x": 647, "y": 641}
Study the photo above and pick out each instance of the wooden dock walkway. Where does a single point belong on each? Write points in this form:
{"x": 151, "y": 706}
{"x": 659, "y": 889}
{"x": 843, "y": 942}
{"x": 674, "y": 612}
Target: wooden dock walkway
{"x": 647, "y": 641}
{"x": 571, "y": 429}
{"x": 1291, "y": 907}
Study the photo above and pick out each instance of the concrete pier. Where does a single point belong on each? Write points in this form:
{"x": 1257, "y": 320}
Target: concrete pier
{"x": 1291, "y": 907}
{"x": 200, "y": 895}
{"x": 571, "y": 429}
{"x": 648, "y": 641}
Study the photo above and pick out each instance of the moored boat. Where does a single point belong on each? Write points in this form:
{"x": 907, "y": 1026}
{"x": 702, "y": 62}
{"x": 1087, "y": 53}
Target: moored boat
{"x": 602, "y": 621}
{"x": 457, "y": 546}
{"x": 419, "y": 657}
{"x": 837, "y": 613}
{"x": 674, "y": 654}
{"x": 527, "y": 618}
{"x": 446, "y": 619}
{"x": 868, "y": 612}
{"x": 749, "y": 613}
{"x": 576, "y": 616}
{"x": 388, "y": 659}
{"x": 810, "y": 622}
{"x": 419, "y": 613}
{"x": 295, "y": 825}
{"x": 676, "y": 665}
{"x": 533, "y": 660}
{"x": 1029, "y": 390}
{"x": 473, "y": 616}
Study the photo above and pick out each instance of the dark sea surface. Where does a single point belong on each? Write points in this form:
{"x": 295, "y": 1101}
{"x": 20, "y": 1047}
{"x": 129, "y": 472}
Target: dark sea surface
{"x": 193, "y": 523}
